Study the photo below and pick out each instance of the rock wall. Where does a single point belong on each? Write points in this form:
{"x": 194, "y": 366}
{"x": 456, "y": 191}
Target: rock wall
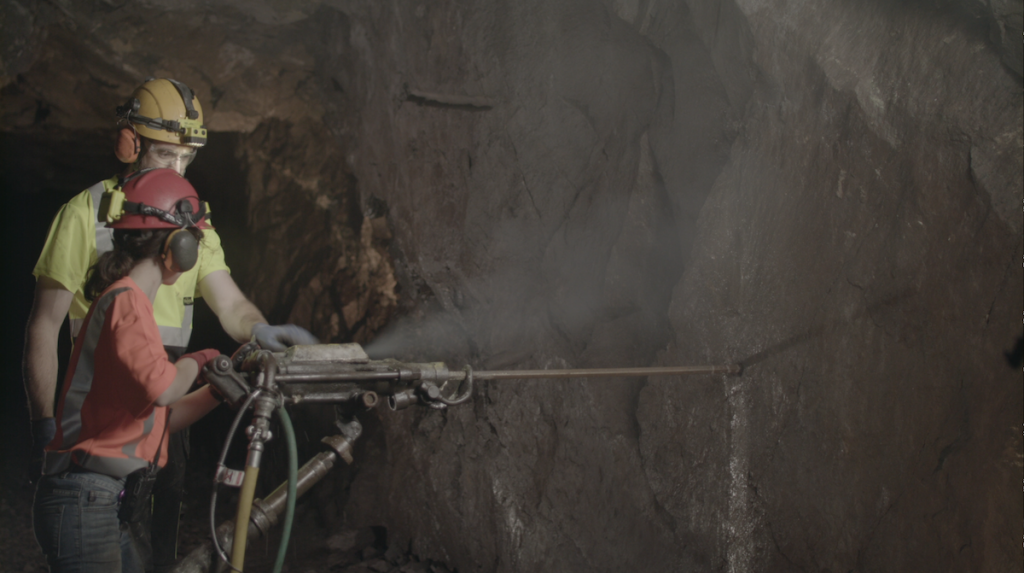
{"x": 827, "y": 192}
{"x": 860, "y": 254}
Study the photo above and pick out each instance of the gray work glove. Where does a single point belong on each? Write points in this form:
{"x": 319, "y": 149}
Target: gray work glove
{"x": 282, "y": 336}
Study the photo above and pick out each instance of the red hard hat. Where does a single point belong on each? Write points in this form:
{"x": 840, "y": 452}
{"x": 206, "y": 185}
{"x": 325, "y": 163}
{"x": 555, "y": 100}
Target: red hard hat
{"x": 159, "y": 199}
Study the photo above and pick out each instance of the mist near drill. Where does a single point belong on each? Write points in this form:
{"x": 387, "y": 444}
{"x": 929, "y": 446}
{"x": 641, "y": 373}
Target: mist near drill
{"x": 559, "y": 286}
{"x": 488, "y": 330}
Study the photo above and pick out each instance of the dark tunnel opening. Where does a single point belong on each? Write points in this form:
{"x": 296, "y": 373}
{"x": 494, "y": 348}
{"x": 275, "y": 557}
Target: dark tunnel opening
{"x": 42, "y": 171}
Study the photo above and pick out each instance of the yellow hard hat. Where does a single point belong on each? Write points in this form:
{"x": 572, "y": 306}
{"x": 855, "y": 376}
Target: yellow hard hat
{"x": 165, "y": 110}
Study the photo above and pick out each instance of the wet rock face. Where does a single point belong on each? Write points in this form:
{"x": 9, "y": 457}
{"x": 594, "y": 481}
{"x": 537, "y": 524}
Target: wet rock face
{"x": 827, "y": 193}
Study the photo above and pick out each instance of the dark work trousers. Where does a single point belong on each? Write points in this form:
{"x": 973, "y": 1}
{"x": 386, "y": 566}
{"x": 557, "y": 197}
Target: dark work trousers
{"x": 156, "y": 536}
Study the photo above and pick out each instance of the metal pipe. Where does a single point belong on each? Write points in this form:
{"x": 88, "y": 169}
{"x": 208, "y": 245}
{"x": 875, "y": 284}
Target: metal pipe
{"x": 328, "y": 376}
{"x": 320, "y": 393}
{"x": 383, "y": 370}
{"x": 265, "y": 513}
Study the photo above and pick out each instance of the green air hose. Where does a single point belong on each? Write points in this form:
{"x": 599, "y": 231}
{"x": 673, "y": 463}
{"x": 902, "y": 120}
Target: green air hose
{"x": 293, "y": 472}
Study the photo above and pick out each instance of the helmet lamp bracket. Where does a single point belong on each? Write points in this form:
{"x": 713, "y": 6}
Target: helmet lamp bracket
{"x": 111, "y": 206}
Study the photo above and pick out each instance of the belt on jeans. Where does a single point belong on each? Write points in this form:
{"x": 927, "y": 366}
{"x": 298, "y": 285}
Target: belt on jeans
{"x": 77, "y": 469}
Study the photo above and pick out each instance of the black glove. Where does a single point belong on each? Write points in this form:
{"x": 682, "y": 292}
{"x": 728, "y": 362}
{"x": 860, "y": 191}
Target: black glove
{"x": 280, "y": 337}
{"x": 43, "y": 431}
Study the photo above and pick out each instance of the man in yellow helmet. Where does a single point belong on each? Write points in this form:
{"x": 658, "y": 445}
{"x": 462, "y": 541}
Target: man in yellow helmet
{"x": 161, "y": 127}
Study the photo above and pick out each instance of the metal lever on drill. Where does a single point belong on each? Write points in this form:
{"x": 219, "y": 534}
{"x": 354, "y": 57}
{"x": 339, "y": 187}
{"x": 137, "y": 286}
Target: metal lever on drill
{"x": 219, "y": 374}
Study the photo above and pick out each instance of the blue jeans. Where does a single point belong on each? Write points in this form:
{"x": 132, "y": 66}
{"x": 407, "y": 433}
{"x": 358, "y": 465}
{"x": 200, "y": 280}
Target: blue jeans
{"x": 75, "y": 521}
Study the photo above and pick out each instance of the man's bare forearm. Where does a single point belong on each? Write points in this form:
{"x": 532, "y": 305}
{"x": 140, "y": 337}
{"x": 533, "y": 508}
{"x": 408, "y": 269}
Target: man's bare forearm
{"x": 39, "y": 364}
{"x": 236, "y": 313}
{"x": 39, "y": 368}
{"x": 239, "y": 321}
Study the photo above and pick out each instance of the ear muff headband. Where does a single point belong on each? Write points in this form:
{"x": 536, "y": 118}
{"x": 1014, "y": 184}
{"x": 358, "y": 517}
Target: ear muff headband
{"x": 181, "y": 251}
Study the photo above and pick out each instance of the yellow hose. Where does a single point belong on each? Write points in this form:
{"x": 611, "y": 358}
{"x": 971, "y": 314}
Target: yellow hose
{"x": 242, "y": 519}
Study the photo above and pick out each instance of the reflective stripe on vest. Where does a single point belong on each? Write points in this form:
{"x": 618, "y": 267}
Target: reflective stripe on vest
{"x": 117, "y": 467}
{"x": 104, "y": 241}
{"x": 71, "y": 416}
{"x": 175, "y": 338}
{"x": 104, "y": 236}
{"x": 178, "y": 336}
{"x": 147, "y": 427}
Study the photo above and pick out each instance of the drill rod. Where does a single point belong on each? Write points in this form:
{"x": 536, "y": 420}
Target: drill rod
{"x": 731, "y": 369}
{"x": 327, "y": 375}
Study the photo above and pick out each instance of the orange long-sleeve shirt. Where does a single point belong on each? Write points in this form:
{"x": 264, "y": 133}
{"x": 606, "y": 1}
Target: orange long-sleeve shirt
{"x": 107, "y": 420}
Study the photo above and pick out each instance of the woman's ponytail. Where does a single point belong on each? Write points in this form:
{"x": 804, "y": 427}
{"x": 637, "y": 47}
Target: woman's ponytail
{"x": 130, "y": 246}
{"x": 112, "y": 266}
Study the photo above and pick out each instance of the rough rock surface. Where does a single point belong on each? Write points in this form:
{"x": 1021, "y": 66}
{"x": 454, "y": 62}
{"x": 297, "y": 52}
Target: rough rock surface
{"x": 826, "y": 192}
{"x": 866, "y": 272}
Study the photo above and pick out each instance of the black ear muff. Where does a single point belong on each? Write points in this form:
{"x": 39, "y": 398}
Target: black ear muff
{"x": 181, "y": 251}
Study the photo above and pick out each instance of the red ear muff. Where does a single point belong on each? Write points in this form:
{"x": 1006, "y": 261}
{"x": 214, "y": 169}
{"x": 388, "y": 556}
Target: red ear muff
{"x": 181, "y": 251}
{"x": 128, "y": 146}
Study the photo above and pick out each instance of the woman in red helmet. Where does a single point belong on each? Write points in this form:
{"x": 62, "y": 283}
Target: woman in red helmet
{"x": 120, "y": 391}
